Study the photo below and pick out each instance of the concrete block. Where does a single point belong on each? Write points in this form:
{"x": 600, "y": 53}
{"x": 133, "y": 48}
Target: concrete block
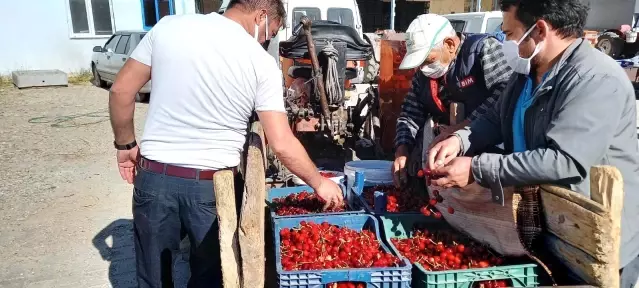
{"x": 39, "y": 78}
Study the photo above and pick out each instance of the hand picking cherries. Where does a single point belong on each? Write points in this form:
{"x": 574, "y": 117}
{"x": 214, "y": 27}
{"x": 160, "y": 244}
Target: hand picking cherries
{"x": 301, "y": 203}
{"x": 442, "y": 250}
{"x": 346, "y": 285}
{"x": 436, "y": 197}
{"x": 428, "y": 174}
{"x": 314, "y": 246}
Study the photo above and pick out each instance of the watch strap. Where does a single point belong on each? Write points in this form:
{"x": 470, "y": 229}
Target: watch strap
{"x": 125, "y": 147}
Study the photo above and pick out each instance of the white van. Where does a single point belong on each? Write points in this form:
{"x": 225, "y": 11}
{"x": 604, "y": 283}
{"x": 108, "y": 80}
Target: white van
{"x": 345, "y": 12}
{"x": 478, "y": 22}
{"x": 342, "y": 11}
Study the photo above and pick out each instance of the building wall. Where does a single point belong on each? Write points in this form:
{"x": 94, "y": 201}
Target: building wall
{"x": 447, "y": 6}
{"x": 460, "y": 6}
{"x": 36, "y": 35}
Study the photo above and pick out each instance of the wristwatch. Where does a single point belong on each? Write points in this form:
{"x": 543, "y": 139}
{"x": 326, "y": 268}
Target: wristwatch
{"x": 125, "y": 147}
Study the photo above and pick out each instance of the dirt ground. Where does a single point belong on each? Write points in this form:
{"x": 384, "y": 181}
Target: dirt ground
{"x": 66, "y": 213}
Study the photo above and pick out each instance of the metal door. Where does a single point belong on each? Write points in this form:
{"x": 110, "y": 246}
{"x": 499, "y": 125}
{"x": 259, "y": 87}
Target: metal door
{"x": 119, "y": 56}
{"x": 103, "y": 64}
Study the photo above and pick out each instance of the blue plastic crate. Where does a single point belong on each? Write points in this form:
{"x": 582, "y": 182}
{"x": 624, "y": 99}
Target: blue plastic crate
{"x": 283, "y": 192}
{"x": 392, "y": 277}
{"x": 379, "y": 208}
{"x": 400, "y": 226}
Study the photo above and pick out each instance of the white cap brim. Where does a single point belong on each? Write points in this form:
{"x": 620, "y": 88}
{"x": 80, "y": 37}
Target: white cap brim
{"x": 414, "y": 59}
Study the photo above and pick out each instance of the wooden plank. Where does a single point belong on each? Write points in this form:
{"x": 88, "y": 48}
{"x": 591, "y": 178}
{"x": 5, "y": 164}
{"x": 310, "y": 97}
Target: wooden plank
{"x": 606, "y": 188}
{"x": 251, "y": 230}
{"x": 577, "y": 226}
{"x": 581, "y": 264}
{"x": 584, "y": 233}
{"x": 576, "y": 198}
{"x": 224, "y": 187}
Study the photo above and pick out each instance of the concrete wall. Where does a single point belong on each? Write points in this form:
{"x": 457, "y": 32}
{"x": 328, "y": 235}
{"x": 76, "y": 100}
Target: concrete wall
{"x": 36, "y": 34}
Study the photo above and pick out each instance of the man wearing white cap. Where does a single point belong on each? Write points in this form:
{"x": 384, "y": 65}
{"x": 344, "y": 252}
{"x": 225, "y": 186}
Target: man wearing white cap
{"x": 453, "y": 67}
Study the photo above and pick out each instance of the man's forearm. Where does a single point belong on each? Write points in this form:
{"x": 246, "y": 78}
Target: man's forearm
{"x": 121, "y": 112}
{"x": 539, "y": 166}
{"x": 294, "y": 157}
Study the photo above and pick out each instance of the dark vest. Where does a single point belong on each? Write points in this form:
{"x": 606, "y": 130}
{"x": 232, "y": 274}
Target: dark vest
{"x": 463, "y": 83}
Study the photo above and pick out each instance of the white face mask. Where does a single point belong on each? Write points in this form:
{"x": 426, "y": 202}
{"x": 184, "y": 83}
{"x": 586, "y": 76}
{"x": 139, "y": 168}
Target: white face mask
{"x": 511, "y": 52}
{"x": 435, "y": 70}
{"x": 257, "y": 29}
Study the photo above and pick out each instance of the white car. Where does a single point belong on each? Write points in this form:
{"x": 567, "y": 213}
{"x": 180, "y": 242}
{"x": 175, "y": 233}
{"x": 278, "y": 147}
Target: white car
{"x": 476, "y": 22}
{"x": 107, "y": 60}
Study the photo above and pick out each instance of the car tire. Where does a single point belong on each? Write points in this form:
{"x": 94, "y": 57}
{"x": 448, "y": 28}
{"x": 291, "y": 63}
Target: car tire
{"x": 142, "y": 97}
{"x": 610, "y": 44}
{"x": 97, "y": 81}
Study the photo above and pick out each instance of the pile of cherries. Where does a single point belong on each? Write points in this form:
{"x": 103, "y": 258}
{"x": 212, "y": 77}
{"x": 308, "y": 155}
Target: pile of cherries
{"x": 346, "y": 285}
{"x": 314, "y": 246}
{"x": 302, "y": 203}
{"x": 443, "y": 250}
{"x": 398, "y": 201}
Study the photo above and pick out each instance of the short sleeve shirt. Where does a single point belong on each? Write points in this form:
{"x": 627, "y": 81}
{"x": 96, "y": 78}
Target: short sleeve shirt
{"x": 208, "y": 75}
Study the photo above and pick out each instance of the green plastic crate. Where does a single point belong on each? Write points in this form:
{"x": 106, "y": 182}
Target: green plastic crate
{"x": 400, "y": 226}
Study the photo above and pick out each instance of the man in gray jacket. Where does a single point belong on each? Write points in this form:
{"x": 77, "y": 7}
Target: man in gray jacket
{"x": 567, "y": 108}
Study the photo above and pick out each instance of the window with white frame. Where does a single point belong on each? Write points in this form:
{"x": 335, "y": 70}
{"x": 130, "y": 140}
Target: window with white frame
{"x": 90, "y": 17}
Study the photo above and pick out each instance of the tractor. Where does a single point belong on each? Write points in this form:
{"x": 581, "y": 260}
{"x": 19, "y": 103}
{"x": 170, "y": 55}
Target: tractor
{"x": 333, "y": 121}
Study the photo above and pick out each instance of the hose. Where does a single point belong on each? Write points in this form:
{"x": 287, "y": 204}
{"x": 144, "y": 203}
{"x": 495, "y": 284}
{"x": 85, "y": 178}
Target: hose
{"x": 334, "y": 91}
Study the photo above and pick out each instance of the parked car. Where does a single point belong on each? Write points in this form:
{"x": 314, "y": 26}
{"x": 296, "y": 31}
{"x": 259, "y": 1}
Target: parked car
{"x": 107, "y": 60}
{"x": 477, "y": 22}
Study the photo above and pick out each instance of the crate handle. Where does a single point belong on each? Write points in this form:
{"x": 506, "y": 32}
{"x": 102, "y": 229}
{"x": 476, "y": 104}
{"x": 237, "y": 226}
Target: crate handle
{"x": 358, "y": 185}
{"x": 347, "y": 276}
{"x": 487, "y": 274}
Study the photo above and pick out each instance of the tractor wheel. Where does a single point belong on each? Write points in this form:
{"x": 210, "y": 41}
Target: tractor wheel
{"x": 610, "y": 44}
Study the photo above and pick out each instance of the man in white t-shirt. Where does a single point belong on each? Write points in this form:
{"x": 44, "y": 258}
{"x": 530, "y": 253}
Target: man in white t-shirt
{"x": 210, "y": 74}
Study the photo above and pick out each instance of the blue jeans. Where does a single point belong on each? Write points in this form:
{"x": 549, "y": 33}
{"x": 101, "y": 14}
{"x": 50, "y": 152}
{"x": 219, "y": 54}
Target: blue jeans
{"x": 163, "y": 206}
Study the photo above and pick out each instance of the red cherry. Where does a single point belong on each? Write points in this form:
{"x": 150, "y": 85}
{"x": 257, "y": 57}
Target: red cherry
{"x": 451, "y": 210}
{"x": 420, "y": 173}
{"x": 438, "y": 215}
